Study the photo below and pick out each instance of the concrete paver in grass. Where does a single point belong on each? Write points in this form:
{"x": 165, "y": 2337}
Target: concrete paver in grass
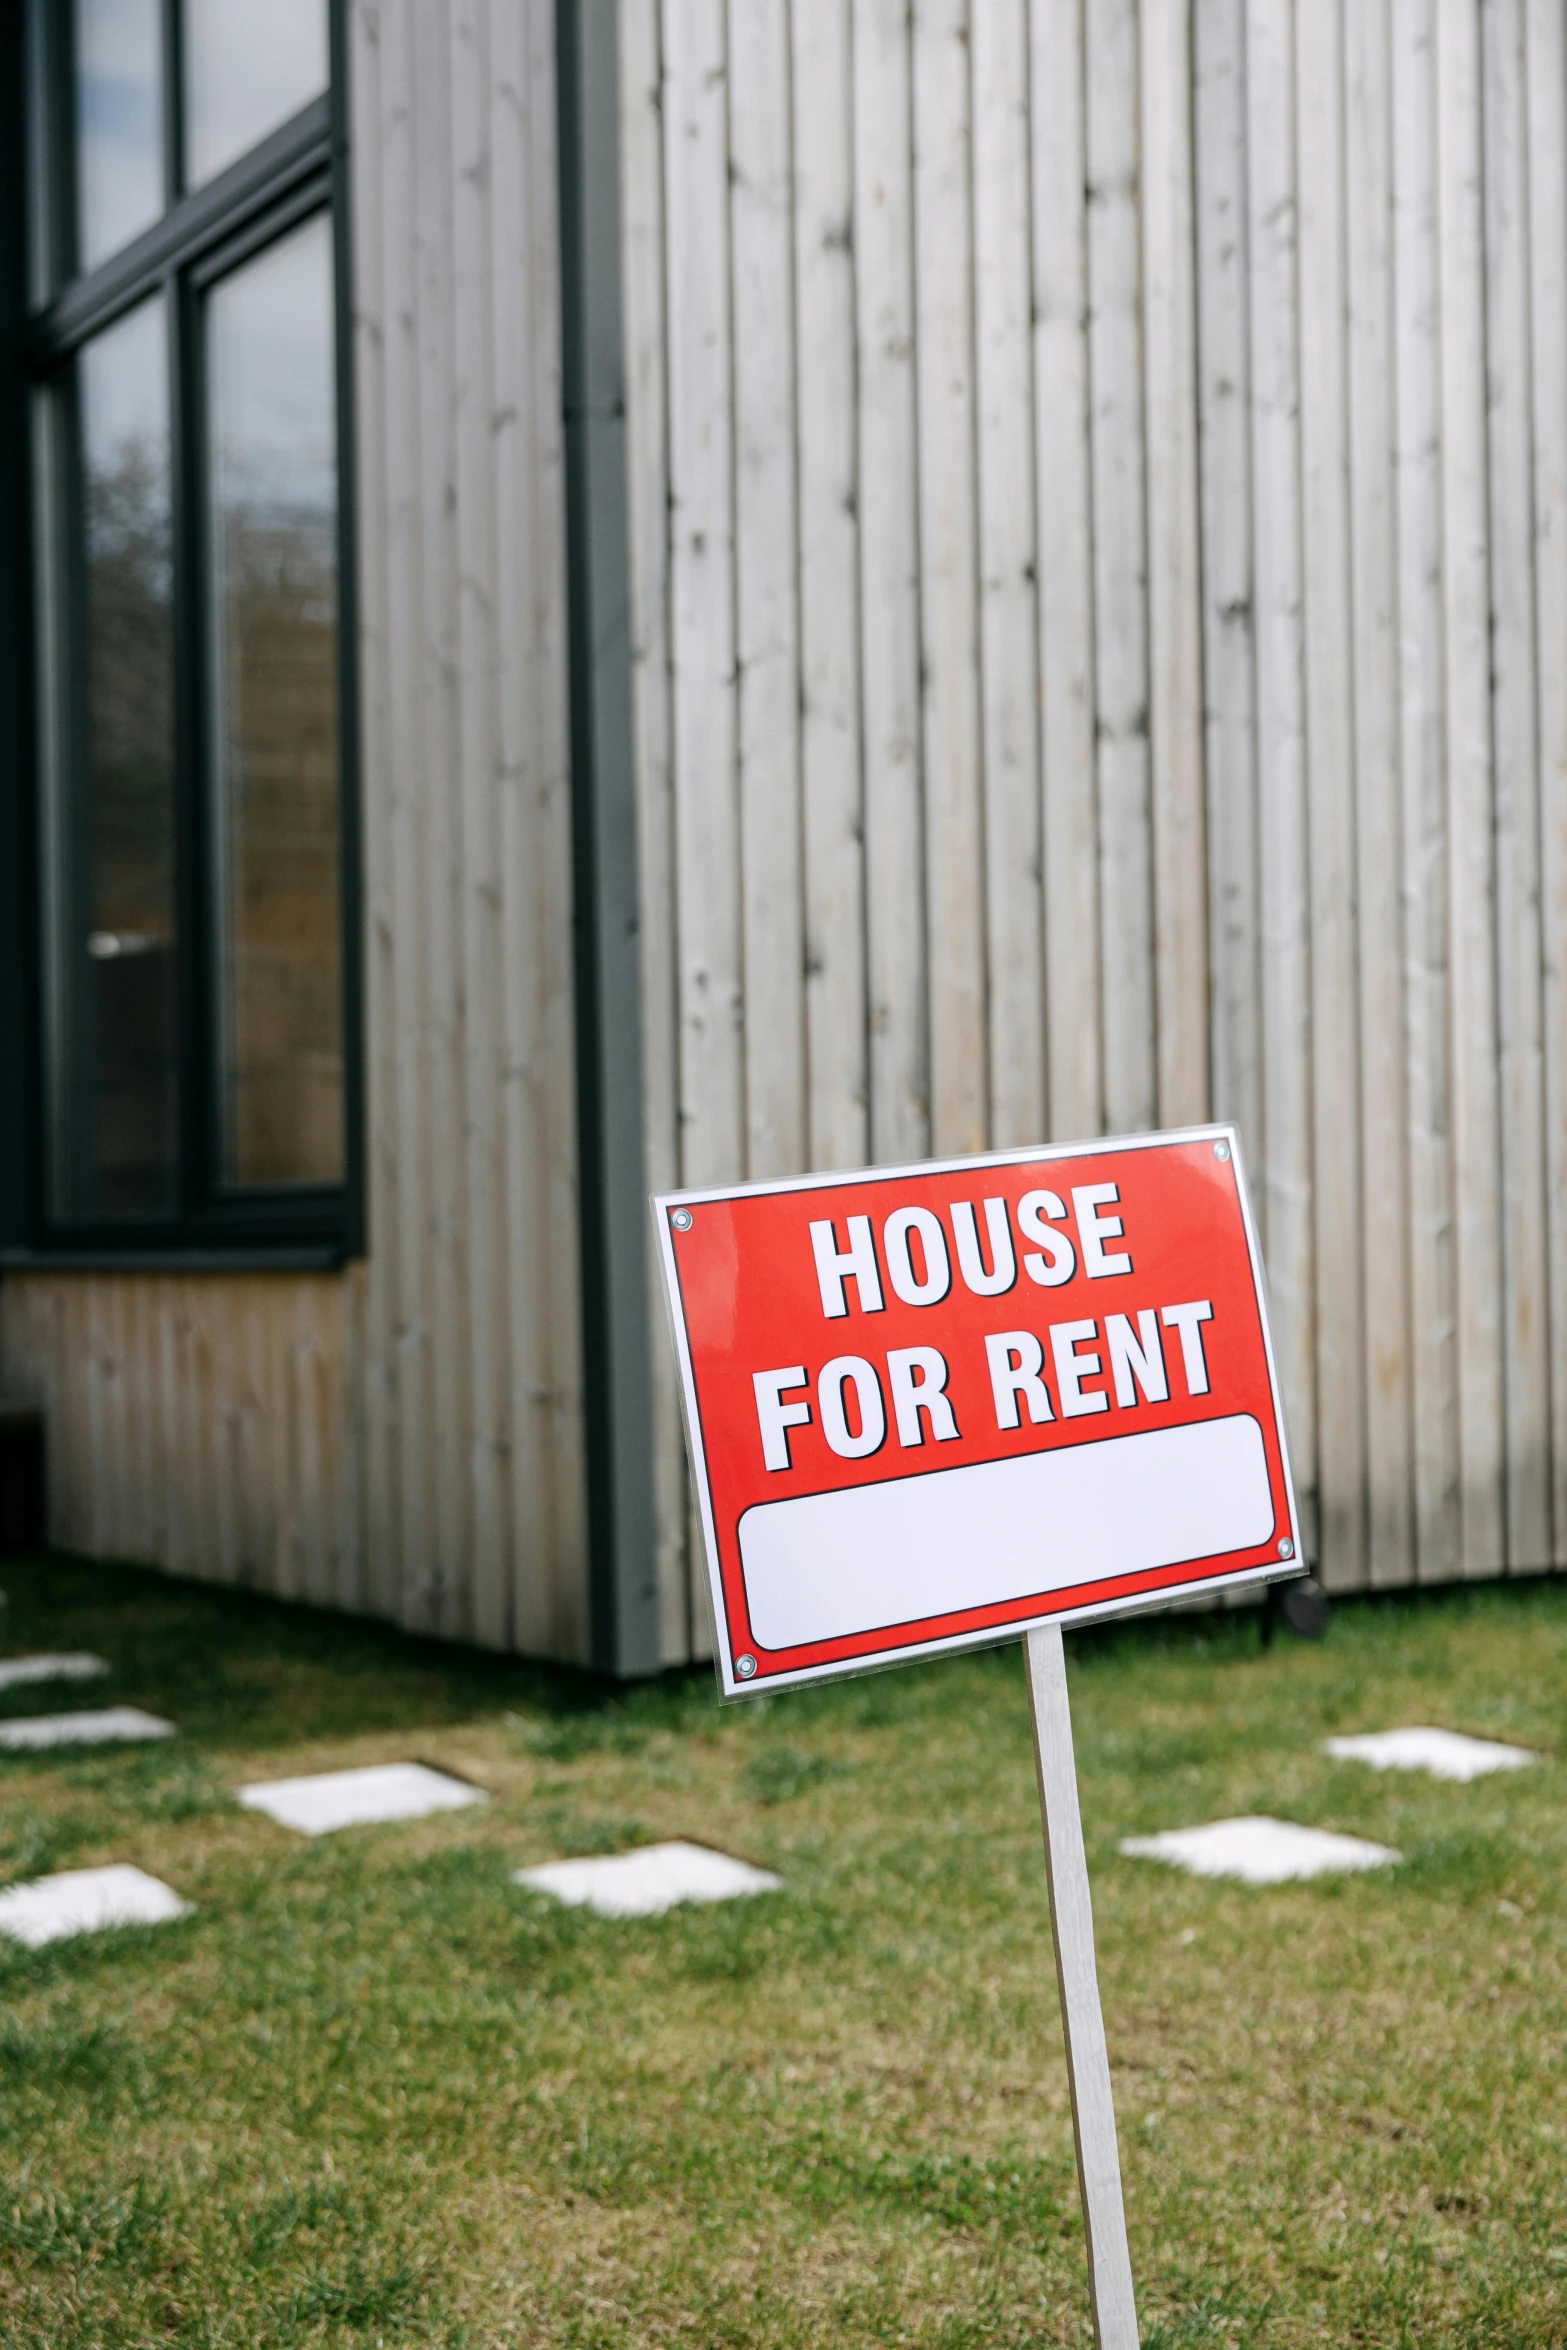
{"x": 1446, "y": 1754}
{"x": 85, "y": 1901}
{"x": 1260, "y": 1851}
{"x": 650, "y": 1880}
{"x": 102, "y": 1727}
{"x": 319, "y": 1805}
{"x": 17, "y": 1672}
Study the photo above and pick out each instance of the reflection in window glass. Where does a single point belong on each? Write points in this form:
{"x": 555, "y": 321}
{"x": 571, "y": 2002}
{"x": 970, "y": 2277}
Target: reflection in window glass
{"x": 249, "y": 65}
{"x": 116, "y": 1126}
{"x": 119, "y": 124}
{"x": 274, "y": 526}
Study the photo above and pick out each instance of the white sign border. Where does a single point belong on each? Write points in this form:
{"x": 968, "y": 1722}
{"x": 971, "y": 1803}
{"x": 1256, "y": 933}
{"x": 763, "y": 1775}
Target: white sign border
{"x": 663, "y": 1205}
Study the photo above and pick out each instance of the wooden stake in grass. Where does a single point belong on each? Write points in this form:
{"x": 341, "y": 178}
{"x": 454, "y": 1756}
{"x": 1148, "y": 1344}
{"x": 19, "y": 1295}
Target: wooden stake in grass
{"x": 1087, "y": 2057}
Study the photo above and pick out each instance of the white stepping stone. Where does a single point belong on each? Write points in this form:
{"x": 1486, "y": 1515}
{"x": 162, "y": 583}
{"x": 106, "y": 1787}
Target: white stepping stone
{"x": 17, "y": 1671}
{"x": 84, "y": 1901}
{"x": 644, "y": 1883}
{"x": 108, "y": 1723}
{"x": 1446, "y": 1754}
{"x": 330, "y": 1800}
{"x": 1260, "y": 1851}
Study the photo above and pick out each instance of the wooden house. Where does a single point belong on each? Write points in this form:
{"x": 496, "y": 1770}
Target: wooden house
{"x": 636, "y": 591}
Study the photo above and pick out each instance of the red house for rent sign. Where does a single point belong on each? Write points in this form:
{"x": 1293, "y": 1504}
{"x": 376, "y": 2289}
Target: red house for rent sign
{"x": 931, "y": 1405}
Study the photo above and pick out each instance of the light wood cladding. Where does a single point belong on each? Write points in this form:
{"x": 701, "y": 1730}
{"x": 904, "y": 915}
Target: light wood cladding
{"x": 469, "y": 1382}
{"x": 1098, "y": 525}
{"x": 206, "y": 1424}
{"x": 405, "y": 1438}
{"x": 1166, "y": 409}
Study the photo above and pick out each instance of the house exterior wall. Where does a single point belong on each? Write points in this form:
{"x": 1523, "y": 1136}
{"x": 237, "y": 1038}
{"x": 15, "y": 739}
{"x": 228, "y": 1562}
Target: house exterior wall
{"x": 204, "y": 1423}
{"x": 405, "y": 1437}
{"x": 471, "y": 1381}
{"x": 1099, "y": 501}
{"x": 1097, "y": 486}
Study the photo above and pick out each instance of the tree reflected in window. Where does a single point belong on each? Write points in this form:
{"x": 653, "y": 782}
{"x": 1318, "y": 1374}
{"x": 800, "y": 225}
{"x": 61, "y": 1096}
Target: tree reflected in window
{"x": 120, "y": 932}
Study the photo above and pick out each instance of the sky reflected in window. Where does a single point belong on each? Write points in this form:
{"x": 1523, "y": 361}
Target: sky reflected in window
{"x": 249, "y": 65}
{"x": 119, "y": 124}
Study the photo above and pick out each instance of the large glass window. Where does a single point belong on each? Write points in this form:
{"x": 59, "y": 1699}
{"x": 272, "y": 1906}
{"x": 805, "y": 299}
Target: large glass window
{"x": 247, "y": 69}
{"x": 119, "y": 924}
{"x": 275, "y": 734}
{"x": 119, "y": 123}
{"x": 189, "y": 527}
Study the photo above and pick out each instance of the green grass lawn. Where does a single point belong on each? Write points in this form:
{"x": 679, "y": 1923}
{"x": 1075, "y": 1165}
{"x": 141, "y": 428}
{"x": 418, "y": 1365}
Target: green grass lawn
{"x": 374, "y": 2092}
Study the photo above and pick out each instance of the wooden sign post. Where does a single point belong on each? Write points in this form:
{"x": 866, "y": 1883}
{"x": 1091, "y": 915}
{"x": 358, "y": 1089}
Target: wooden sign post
{"x": 933, "y": 1407}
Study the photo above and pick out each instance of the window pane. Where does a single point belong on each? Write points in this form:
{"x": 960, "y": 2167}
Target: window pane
{"x": 249, "y": 65}
{"x": 119, "y": 124}
{"x": 274, "y": 525}
{"x": 115, "y": 1128}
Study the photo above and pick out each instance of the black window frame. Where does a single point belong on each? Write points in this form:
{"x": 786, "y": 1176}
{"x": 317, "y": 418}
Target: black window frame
{"x": 297, "y": 172}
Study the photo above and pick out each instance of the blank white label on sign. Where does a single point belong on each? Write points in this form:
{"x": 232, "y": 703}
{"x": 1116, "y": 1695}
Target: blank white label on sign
{"x": 828, "y": 1565}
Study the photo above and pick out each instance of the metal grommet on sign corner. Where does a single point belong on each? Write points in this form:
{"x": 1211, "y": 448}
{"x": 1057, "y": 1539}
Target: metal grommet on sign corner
{"x": 1221, "y": 1150}
{"x": 1286, "y": 1548}
{"x": 681, "y": 1220}
{"x": 745, "y": 1666}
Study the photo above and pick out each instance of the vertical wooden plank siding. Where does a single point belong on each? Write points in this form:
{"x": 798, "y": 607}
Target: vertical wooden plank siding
{"x": 1339, "y": 1284}
{"x": 1098, "y": 524}
{"x": 1545, "y": 80}
{"x": 1069, "y": 819}
{"x": 549, "y": 1344}
{"x": 1008, "y": 569}
{"x": 767, "y": 636}
{"x": 702, "y": 602}
{"x": 834, "y": 806}
{"x": 199, "y": 1423}
{"x": 1120, "y": 564}
{"x": 1188, "y": 786}
{"x": 1180, "y": 897}
{"x": 1525, "y": 1320}
{"x": 1378, "y": 936}
{"x": 400, "y": 1149}
{"x": 1282, "y": 835}
{"x": 377, "y": 1392}
{"x": 443, "y": 1589}
{"x": 646, "y": 345}
{"x": 949, "y": 616}
{"x": 1471, "y": 863}
{"x": 875, "y": 254}
{"x": 480, "y": 894}
{"x": 1228, "y": 605}
{"x": 1429, "y": 1213}
{"x": 710, "y": 939}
